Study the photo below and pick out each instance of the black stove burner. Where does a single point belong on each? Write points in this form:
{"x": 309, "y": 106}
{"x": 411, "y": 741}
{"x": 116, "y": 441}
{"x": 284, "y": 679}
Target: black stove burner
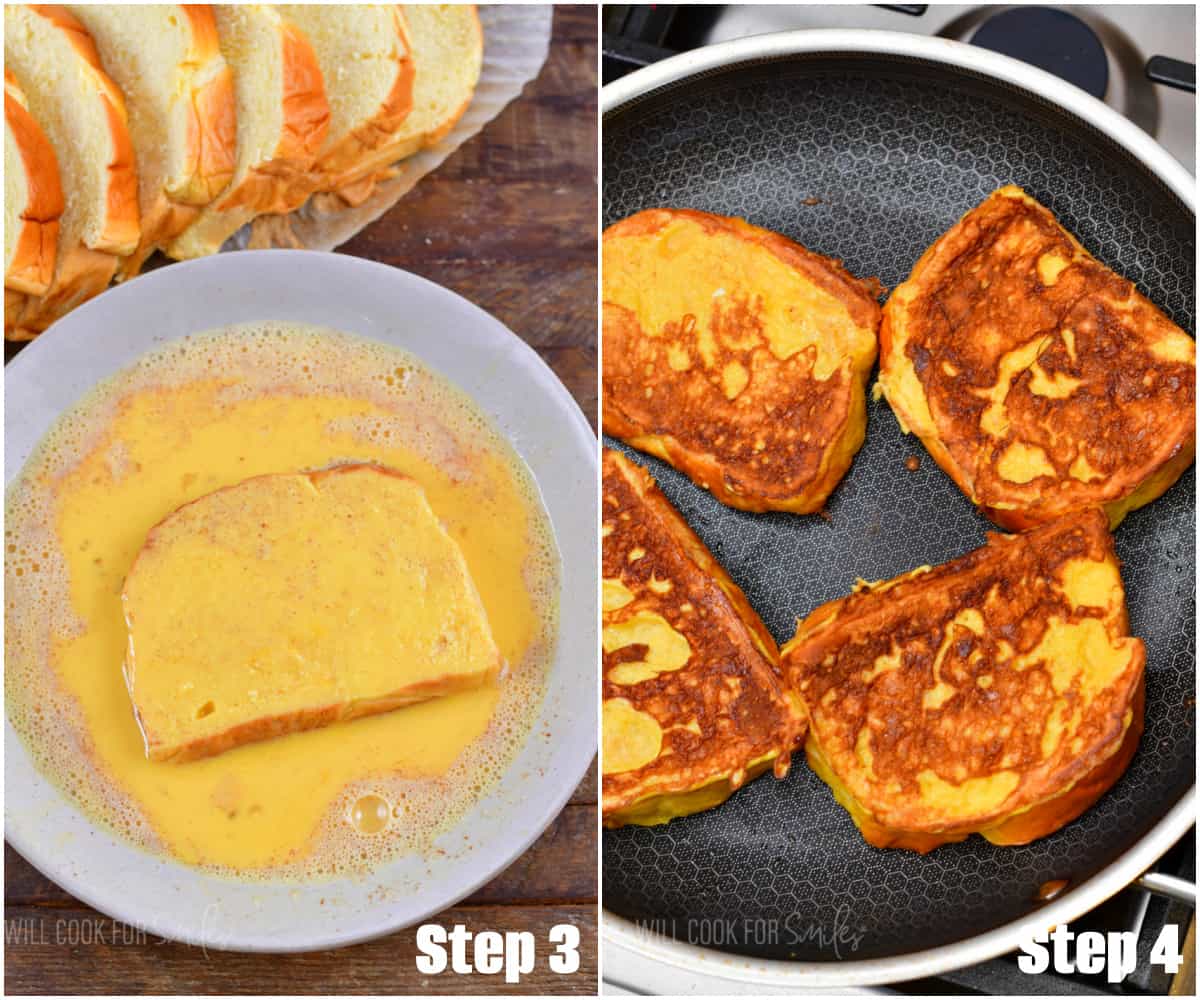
{"x": 1053, "y": 40}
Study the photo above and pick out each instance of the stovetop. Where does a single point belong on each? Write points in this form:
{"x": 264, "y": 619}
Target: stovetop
{"x": 1106, "y": 48}
{"x": 1111, "y": 51}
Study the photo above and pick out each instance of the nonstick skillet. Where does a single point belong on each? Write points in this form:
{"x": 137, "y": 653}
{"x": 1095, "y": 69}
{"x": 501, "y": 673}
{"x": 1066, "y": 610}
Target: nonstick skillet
{"x": 867, "y": 146}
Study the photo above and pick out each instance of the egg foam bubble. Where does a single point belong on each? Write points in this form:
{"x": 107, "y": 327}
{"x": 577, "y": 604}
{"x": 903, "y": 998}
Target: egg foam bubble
{"x": 205, "y": 412}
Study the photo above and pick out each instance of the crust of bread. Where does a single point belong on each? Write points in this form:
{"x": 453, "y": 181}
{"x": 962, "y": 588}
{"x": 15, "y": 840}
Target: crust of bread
{"x": 285, "y": 180}
{"x": 270, "y": 727}
{"x": 32, "y": 266}
{"x": 212, "y": 117}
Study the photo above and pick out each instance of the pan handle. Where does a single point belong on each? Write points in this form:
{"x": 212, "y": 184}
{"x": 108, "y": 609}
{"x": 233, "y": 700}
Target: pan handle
{"x": 1172, "y": 72}
{"x": 1171, "y": 886}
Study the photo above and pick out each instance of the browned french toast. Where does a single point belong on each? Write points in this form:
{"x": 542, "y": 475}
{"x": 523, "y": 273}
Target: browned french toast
{"x": 997, "y": 694}
{"x": 693, "y": 704}
{"x": 736, "y": 355}
{"x": 1038, "y": 379}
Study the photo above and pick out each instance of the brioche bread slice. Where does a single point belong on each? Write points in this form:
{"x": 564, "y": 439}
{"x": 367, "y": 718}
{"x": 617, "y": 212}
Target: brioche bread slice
{"x": 694, "y": 703}
{"x": 53, "y": 59}
{"x": 447, "y": 48}
{"x": 736, "y": 355}
{"x": 367, "y": 61}
{"x": 282, "y": 120}
{"x": 292, "y": 601}
{"x": 180, "y": 97}
{"x": 999, "y": 693}
{"x": 33, "y": 198}
{"x": 1041, "y": 381}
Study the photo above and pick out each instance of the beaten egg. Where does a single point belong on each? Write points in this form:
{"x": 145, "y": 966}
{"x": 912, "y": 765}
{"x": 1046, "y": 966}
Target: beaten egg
{"x": 205, "y": 413}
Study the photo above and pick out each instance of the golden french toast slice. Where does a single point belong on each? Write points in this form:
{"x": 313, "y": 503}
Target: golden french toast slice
{"x": 1038, "y": 379}
{"x": 998, "y": 694}
{"x": 736, "y": 355}
{"x": 291, "y": 601}
{"x": 693, "y": 704}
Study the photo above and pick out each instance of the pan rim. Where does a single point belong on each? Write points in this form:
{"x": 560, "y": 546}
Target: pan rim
{"x": 938, "y": 50}
{"x": 1175, "y": 822}
{"x": 916, "y": 965}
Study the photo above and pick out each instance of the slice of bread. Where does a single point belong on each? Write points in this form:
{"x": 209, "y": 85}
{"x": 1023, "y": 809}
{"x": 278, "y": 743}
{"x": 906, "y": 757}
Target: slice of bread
{"x": 694, "y": 703}
{"x": 292, "y": 601}
{"x": 282, "y": 120}
{"x": 366, "y": 59}
{"x": 179, "y": 93}
{"x": 82, "y": 111}
{"x": 736, "y": 355}
{"x": 999, "y": 693}
{"x": 1041, "y": 381}
{"x": 33, "y": 198}
{"x": 447, "y": 47}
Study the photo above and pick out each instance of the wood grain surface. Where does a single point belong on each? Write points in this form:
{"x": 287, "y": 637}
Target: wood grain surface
{"x": 508, "y": 222}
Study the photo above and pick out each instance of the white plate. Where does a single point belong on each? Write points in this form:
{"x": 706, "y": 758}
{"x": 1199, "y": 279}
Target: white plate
{"x": 533, "y": 409}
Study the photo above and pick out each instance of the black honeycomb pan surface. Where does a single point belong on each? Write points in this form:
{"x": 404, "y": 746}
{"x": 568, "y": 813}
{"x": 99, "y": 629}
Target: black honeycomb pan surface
{"x": 870, "y": 161}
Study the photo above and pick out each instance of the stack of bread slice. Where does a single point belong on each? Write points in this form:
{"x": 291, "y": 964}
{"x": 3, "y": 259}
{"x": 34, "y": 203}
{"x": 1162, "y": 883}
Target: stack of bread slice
{"x": 179, "y": 96}
{"x": 135, "y": 128}
{"x": 82, "y": 112}
{"x": 282, "y": 118}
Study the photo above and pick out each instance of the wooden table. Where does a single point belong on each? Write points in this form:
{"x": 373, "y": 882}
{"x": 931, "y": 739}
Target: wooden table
{"x": 509, "y": 222}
